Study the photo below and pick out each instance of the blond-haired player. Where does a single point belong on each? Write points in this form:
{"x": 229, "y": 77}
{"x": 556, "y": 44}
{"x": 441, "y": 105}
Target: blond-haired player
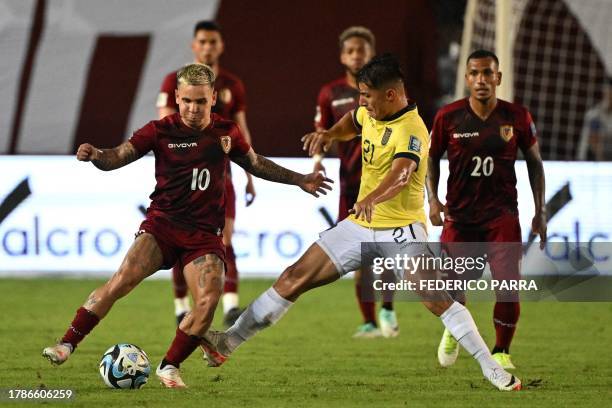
{"x": 184, "y": 222}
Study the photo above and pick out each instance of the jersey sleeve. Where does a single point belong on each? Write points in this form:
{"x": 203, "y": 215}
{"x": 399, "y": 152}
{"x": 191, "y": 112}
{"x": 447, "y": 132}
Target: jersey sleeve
{"x": 412, "y": 142}
{"x": 324, "y": 117}
{"x": 240, "y": 146}
{"x": 358, "y": 117}
{"x": 143, "y": 139}
{"x": 165, "y": 98}
{"x": 439, "y": 138}
{"x": 239, "y": 96}
{"x": 528, "y": 137}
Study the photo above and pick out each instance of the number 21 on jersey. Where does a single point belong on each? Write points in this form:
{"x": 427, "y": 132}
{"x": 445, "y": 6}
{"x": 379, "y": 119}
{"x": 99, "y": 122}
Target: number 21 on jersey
{"x": 368, "y": 151}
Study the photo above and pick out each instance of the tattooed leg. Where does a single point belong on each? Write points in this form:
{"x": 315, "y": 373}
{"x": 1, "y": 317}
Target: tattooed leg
{"x": 204, "y": 277}
{"x": 142, "y": 259}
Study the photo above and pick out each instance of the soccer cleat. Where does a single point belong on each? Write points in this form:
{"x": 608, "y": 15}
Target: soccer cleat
{"x": 231, "y": 316}
{"x": 388, "y": 323}
{"x": 169, "y": 376}
{"x": 367, "y": 331}
{"x": 448, "y": 349}
{"x": 57, "y": 354}
{"x": 215, "y": 348}
{"x": 503, "y": 380}
{"x": 504, "y": 361}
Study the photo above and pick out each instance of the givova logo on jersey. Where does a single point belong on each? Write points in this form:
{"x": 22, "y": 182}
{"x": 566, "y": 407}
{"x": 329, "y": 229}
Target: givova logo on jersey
{"x": 465, "y": 135}
{"x": 181, "y": 145}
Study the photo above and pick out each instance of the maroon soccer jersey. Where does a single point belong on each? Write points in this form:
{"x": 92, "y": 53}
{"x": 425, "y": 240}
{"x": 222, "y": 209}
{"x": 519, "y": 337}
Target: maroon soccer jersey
{"x": 231, "y": 95}
{"x": 481, "y": 154}
{"x": 190, "y": 169}
{"x": 335, "y": 99}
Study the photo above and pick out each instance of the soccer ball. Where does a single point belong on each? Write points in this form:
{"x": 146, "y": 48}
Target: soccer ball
{"x": 125, "y": 366}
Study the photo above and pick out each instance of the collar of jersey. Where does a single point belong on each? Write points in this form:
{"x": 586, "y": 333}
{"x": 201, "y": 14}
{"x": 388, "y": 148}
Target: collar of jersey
{"x": 183, "y": 126}
{"x": 411, "y": 106}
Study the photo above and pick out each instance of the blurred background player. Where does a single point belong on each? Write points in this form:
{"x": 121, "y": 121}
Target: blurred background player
{"x": 336, "y": 98}
{"x": 596, "y": 136}
{"x": 482, "y": 135}
{"x": 207, "y": 47}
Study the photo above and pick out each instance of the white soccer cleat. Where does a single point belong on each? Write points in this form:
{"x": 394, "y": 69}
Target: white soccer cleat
{"x": 388, "y": 323}
{"x": 170, "y": 376}
{"x": 57, "y": 354}
{"x": 503, "y": 380}
{"x": 448, "y": 349}
{"x": 214, "y": 346}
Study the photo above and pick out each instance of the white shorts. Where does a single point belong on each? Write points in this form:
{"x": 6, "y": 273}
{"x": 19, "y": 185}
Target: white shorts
{"x": 342, "y": 244}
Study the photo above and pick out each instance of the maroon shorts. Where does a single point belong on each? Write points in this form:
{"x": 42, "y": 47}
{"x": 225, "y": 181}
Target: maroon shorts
{"x": 347, "y": 200}
{"x": 181, "y": 245}
{"x": 500, "y": 238}
{"x": 230, "y": 198}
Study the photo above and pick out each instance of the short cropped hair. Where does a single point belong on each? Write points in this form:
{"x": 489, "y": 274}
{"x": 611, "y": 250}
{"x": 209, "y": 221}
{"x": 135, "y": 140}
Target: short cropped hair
{"x": 196, "y": 74}
{"x": 483, "y": 54}
{"x": 380, "y": 71}
{"x": 206, "y": 25}
{"x": 357, "y": 31}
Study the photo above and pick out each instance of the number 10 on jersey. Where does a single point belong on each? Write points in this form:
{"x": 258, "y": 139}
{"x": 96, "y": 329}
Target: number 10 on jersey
{"x": 200, "y": 179}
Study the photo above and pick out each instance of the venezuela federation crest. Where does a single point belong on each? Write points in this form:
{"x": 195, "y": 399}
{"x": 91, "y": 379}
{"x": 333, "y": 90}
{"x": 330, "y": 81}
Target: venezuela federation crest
{"x": 226, "y": 144}
{"x": 506, "y": 132}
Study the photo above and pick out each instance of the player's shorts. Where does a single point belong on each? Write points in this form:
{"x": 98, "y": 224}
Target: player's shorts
{"x": 347, "y": 200}
{"x": 177, "y": 244}
{"x": 501, "y": 238}
{"x": 230, "y": 198}
{"x": 342, "y": 244}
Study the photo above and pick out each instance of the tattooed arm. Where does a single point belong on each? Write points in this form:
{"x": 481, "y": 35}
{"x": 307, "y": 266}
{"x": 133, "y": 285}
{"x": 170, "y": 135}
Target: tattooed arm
{"x": 259, "y": 166}
{"x": 108, "y": 159}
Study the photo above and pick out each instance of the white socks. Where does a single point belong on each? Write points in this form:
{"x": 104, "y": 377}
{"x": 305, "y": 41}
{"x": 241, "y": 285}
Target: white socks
{"x": 181, "y": 305}
{"x": 230, "y": 301}
{"x": 266, "y": 310}
{"x": 460, "y": 324}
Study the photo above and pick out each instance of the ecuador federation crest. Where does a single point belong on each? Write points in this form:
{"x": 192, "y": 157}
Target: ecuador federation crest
{"x": 226, "y": 144}
{"x": 386, "y": 136}
{"x": 506, "y": 132}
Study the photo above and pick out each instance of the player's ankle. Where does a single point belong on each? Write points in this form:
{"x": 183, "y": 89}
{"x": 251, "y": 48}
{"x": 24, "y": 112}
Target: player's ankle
{"x": 70, "y": 346}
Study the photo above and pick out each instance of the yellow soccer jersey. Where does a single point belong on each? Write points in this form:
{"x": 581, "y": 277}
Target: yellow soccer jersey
{"x": 401, "y": 135}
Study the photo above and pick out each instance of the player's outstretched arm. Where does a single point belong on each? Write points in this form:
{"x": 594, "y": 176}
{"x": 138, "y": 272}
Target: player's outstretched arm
{"x": 108, "y": 159}
{"x": 431, "y": 183}
{"x": 321, "y": 140}
{"x": 259, "y": 166}
{"x": 535, "y": 169}
{"x": 396, "y": 179}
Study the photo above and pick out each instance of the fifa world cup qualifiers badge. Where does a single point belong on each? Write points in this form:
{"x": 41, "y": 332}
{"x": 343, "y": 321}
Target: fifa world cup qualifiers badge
{"x": 415, "y": 144}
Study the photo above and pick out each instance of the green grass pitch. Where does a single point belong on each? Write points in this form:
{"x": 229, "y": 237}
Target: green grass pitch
{"x": 309, "y": 358}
